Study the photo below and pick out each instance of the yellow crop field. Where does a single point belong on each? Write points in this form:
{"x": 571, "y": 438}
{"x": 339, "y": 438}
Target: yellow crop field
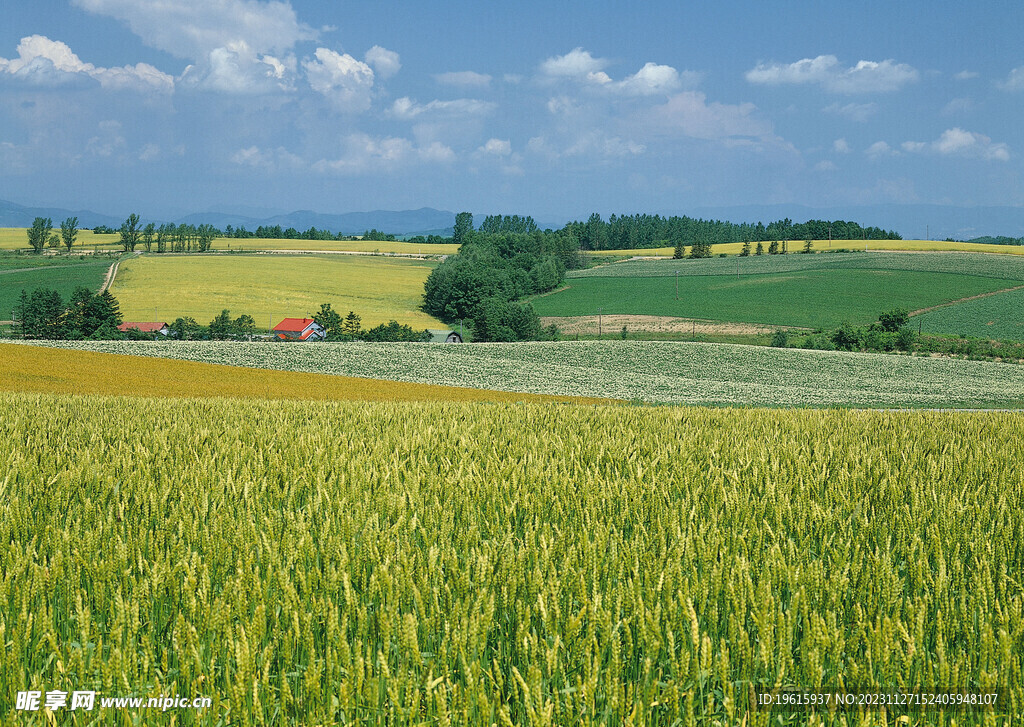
{"x": 369, "y": 563}
{"x": 13, "y": 238}
{"x": 368, "y": 246}
{"x": 27, "y": 368}
{"x": 733, "y": 248}
{"x": 272, "y": 287}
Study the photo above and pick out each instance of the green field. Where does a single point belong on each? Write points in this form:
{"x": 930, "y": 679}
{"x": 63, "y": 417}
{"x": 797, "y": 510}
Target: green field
{"x": 272, "y": 287}
{"x": 27, "y": 273}
{"x": 648, "y": 371}
{"x": 443, "y": 563}
{"x": 812, "y": 298}
{"x": 999, "y": 316}
{"x": 795, "y": 246}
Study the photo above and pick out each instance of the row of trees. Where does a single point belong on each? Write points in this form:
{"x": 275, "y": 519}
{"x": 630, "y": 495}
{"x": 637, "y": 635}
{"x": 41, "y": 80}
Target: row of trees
{"x": 642, "y": 231}
{"x": 43, "y": 313}
{"x": 350, "y": 328}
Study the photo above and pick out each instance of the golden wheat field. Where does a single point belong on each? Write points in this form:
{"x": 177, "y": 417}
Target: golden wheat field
{"x": 452, "y": 563}
{"x": 49, "y": 370}
{"x": 272, "y": 287}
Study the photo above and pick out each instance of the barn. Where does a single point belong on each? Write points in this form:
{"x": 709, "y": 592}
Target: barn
{"x": 153, "y": 327}
{"x": 299, "y": 329}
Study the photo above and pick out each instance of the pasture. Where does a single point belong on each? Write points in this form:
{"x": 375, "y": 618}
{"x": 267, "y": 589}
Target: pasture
{"x": 396, "y": 563}
{"x": 999, "y": 316}
{"x": 656, "y": 372}
{"x": 811, "y": 298}
{"x": 63, "y": 274}
{"x": 272, "y": 287}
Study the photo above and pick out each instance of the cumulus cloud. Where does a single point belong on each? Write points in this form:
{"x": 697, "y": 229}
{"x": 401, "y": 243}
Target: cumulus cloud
{"x": 46, "y": 62}
{"x": 957, "y": 142}
{"x": 825, "y": 166}
{"x": 957, "y": 105}
{"x": 860, "y": 112}
{"x": 385, "y": 62}
{"x": 193, "y": 28}
{"x": 463, "y": 78}
{"x": 1014, "y": 81}
{"x": 576, "y": 64}
{"x": 965, "y": 75}
{"x": 880, "y": 149}
{"x": 237, "y": 68}
{"x": 826, "y": 71}
{"x": 650, "y": 80}
{"x": 267, "y": 159}
{"x": 364, "y": 153}
{"x": 840, "y": 146}
{"x": 346, "y": 82}
{"x": 581, "y": 67}
{"x": 406, "y": 108}
{"x": 497, "y": 147}
{"x": 689, "y": 114}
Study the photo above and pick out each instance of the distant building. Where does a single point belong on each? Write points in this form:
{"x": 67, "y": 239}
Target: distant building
{"x": 145, "y": 327}
{"x": 299, "y": 329}
{"x": 444, "y": 336}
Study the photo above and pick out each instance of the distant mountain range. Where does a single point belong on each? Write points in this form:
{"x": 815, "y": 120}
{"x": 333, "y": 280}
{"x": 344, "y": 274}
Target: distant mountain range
{"x": 911, "y": 221}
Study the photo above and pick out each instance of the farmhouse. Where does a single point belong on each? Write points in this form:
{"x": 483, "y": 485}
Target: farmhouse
{"x": 299, "y": 329}
{"x": 145, "y": 327}
{"x": 444, "y": 336}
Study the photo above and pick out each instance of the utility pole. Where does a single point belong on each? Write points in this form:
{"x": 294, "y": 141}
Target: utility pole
{"x": 927, "y": 232}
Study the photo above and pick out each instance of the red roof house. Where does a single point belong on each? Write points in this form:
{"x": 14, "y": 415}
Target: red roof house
{"x": 144, "y": 327}
{"x": 299, "y": 329}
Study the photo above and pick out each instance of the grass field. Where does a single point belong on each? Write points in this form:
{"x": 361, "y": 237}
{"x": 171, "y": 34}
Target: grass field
{"x": 811, "y": 298}
{"x": 999, "y": 316}
{"x": 273, "y": 287}
{"x": 795, "y": 246}
{"x": 63, "y": 276}
{"x": 648, "y": 371}
{"x": 63, "y": 371}
{"x": 389, "y": 563}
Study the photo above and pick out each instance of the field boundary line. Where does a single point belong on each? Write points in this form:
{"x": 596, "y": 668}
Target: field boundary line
{"x": 929, "y": 309}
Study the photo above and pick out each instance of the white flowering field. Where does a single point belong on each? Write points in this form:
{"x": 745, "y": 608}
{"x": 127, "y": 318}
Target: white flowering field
{"x": 646, "y": 371}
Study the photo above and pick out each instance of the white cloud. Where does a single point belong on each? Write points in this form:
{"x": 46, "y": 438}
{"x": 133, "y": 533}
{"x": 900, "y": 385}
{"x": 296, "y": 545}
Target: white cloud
{"x": 577, "y": 64}
{"x": 1014, "y": 81}
{"x": 366, "y": 154}
{"x": 463, "y": 78}
{"x": 348, "y": 83}
{"x": 193, "y": 28}
{"x": 385, "y": 62}
{"x": 825, "y": 166}
{"x": 649, "y": 80}
{"x": 269, "y": 159}
{"x": 957, "y": 142}
{"x": 840, "y": 146}
{"x": 965, "y": 75}
{"x": 237, "y": 68}
{"x": 108, "y": 141}
{"x": 497, "y": 147}
{"x": 865, "y": 77}
{"x": 860, "y": 112}
{"x": 689, "y": 114}
{"x": 50, "y": 62}
{"x": 581, "y": 67}
{"x": 957, "y": 106}
{"x": 879, "y": 150}
{"x": 406, "y": 108}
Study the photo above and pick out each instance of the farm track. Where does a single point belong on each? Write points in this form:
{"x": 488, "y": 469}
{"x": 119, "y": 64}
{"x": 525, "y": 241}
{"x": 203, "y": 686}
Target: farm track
{"x": 921, "y": 311}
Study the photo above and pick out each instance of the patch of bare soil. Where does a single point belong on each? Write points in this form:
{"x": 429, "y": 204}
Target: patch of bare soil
{"x": 588, "y": 325}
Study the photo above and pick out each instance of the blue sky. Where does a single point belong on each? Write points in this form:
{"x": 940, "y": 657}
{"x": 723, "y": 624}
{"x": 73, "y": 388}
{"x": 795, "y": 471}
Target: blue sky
{"x": 554, "y": 110}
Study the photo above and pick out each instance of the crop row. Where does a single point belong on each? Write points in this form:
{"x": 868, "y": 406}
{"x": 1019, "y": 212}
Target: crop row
{"x": 649, "y": 371}
{"x": 455, "y": 563}
{"x": 1009, "y": 267}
